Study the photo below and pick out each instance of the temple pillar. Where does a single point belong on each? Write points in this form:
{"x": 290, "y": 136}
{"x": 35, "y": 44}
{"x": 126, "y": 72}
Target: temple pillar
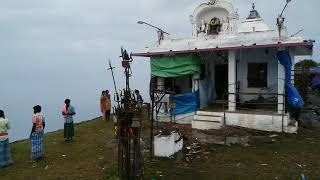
{"x": 232, "y": 80}
{"x": 195, "y": 82}
{"x": 281, "y": 88}
{"x": 160, "y": 83}
{"x": 292, "y": 56}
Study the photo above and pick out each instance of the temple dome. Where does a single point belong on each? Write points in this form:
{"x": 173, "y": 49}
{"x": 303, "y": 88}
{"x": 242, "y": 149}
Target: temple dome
{"x": 253, "y": 23}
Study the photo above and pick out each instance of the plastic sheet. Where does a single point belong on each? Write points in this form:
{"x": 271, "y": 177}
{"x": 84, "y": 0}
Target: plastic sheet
{"x": 315, "y": 70}
{"x": 175, "y": 66}
{"x": 185, "y": 103}
{"x": 293, "y": 96}
{"x": 315, "y": 82}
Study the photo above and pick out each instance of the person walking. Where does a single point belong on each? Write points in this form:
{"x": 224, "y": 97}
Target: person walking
{"x": 37, "y": 133}
{"x": 68, "y": 112}
{"x": 103, "y": 105}
{"x": 5, "y": 154}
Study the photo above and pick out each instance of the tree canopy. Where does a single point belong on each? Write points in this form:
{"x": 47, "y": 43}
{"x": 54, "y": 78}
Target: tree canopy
{"x": 307, "y": 64}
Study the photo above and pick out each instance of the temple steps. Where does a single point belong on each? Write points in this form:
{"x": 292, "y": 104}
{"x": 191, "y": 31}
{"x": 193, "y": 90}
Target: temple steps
{"x": 208, "y": 120}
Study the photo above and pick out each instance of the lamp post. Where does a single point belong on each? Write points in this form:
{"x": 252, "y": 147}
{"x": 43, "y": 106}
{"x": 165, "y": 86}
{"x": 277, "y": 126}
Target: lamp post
{"x": 280, "y": 19}
{"x": 285, "y": 7}
{"x": 159, "y": 30}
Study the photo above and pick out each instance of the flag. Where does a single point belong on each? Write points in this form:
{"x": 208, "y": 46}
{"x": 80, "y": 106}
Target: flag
{"x": 288, "y": 1}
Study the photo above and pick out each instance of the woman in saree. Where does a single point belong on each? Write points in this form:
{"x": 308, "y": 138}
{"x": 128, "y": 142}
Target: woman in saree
{"x": 5, "y": 154}
{"x": 37, "y": 133}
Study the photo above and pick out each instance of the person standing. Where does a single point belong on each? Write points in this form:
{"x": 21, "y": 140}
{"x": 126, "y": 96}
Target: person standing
{"x": 68, "y": 112}
{"x": 139, "y": 100}
{"x": 138, "y": 96}
{"x": 37, "y": 133}
{"x": 108, "y": 105}
{"x": 5, "y": 154}
{"x": 103, "y": 105}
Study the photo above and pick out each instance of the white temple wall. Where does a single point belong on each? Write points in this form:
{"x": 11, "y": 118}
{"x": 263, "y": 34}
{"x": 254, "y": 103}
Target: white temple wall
{"x": 257, "y": 56}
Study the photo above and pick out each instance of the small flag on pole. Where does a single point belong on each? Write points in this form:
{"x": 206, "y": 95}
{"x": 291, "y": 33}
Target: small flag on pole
{"x": 288, "y": 1}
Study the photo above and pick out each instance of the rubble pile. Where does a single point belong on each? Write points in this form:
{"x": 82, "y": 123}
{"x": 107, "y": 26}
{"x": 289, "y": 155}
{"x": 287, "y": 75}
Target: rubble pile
{"x": 194, "y": 150}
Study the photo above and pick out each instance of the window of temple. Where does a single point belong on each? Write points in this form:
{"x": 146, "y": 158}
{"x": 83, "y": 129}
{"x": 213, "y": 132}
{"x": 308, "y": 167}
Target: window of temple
{"x": 257, "y": 75}
{"x": 179, "y": 85}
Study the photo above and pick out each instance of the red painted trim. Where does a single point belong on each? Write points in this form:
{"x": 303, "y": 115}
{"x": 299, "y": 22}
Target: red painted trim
{"x": 149, "y": 54}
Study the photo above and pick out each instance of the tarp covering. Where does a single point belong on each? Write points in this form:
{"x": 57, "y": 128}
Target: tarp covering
{"x": 175, "y": 66}
{"x": 315, "y": 82}
{"x": 293, "y": 96}
{"x": 206, "y": 92}
{"x": 185, "y": 103}
{"x": 315, "y": 70}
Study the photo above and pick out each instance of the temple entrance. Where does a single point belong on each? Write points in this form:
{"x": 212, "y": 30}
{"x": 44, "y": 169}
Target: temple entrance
{"x": 221, "y": 81}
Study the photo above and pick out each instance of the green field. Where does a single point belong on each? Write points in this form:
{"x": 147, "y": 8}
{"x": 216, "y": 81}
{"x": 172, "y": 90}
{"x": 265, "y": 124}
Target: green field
{"x": 90, "y": 157}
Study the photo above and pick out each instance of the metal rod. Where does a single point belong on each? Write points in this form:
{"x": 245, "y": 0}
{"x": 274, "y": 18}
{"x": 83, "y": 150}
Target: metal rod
{"x": 243, "y": 93}
{"x": 151, "y": 128}
{"x": 114, "y": 82}
{"x": 284, "y": 9}
{"x": 159, "y": 29}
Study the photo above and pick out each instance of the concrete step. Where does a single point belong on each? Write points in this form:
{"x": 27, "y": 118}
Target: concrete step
{"x": 216, "y": 119}
{"x": 207, "y": 122}
{"x": 207, "y": 113}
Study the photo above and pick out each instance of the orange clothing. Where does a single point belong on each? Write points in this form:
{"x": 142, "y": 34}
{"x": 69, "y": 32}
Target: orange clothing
{"x": 103, "y": 103}
{"x": 108, "y": 104}
{"x": 38, "y": 119}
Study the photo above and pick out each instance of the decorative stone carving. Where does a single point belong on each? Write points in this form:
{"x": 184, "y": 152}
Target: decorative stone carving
{"x": 218, "y": 16}
{"x": 212, "y": 2}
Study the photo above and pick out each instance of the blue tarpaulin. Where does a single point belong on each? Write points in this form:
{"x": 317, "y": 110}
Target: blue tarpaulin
{"x": 293, "y": 96}
{"x": 315, "y": 81}
{"x": 315, "y": 70}
{"x": 185, "y": 103}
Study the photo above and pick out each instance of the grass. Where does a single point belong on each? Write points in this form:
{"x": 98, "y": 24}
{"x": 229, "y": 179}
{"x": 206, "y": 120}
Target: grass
{"x": 89, "y": 157}
{"x": 286, "y": 158}
{"x": 86, "y": 157}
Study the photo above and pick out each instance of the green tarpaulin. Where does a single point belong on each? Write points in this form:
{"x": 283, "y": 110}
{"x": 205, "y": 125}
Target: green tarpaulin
{"x": 175, "y": 66}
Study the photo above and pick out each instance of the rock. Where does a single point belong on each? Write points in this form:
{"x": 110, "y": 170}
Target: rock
{"x": 261, "y": 139}
{"x": 273, "y": 135}
{"x": 237, "y": 140}
{"x": 299, "y": 165}
{"x": 310, "y": 120}
{"x": 238, "y": 164}
{"x": 220, "y": 140}
{"x": 112, "y": 143}
{"x": 215, "y": 140}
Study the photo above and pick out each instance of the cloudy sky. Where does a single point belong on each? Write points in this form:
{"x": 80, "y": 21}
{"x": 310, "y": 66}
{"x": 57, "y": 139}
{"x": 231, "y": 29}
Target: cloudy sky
{"x": 54, "y": 49}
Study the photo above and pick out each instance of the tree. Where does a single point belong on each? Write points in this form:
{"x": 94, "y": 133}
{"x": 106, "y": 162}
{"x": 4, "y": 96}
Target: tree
{"x": 306, "y": 64}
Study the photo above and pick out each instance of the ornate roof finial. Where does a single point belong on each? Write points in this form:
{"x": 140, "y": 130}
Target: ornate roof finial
{"x": 253, "y": 13}
{"x": 212, "y": 2}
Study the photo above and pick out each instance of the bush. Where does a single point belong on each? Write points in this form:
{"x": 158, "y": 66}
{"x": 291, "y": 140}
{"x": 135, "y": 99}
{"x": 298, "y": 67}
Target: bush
{"x": 306, "y": 64}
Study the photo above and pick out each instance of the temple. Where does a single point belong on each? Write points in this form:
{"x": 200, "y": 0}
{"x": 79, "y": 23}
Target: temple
{"x": 229, "y": 72}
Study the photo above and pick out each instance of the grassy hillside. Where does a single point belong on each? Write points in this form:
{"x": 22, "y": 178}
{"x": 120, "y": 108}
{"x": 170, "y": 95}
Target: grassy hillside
{"x": 87, "y": 157}
{"x": 90, "y": 157}
{"x": 287, "y": 157}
